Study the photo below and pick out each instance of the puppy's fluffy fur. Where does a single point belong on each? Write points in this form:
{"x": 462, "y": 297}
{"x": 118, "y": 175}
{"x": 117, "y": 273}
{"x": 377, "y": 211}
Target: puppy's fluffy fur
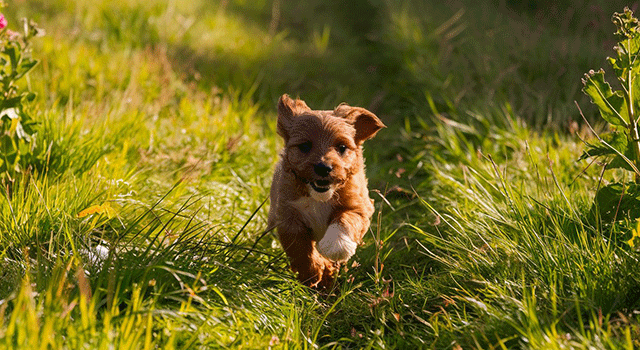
{"x": 320, "y": 203}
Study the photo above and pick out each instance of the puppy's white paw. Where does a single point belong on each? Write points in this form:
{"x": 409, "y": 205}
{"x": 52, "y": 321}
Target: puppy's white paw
{"x": 336, "y": 244}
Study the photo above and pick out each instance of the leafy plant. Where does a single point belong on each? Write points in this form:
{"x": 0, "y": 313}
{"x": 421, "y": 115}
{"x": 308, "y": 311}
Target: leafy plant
{"x": 619, "y": 108}
{"x": 17, "y": 127}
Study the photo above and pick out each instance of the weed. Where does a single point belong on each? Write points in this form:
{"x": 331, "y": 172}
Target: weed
{"x": 617, "y": 202}
{"x": 17, "y": 126}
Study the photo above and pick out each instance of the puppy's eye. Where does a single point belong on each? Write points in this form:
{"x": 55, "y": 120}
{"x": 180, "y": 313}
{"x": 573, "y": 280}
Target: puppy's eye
{"x": 305, "y": 147}
{"x": 342, "y": 148}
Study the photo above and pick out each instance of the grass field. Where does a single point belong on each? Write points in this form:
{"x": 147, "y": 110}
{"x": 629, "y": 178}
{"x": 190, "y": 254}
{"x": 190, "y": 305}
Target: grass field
{"x": 139, "y": 226}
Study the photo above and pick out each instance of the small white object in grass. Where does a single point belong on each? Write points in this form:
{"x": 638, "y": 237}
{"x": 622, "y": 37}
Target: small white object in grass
{"x": 96, "y": 255}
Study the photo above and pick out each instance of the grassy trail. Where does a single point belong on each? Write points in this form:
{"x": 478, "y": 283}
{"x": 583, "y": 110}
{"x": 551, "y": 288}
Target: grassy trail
{"x": 157, "y": 130}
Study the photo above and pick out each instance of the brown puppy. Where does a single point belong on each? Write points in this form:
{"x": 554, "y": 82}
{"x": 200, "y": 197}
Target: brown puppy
{"x": 320, "y": 203}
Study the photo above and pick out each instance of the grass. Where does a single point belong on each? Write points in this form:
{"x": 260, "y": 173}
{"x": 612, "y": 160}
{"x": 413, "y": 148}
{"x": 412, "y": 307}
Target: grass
{"x": 141, "y": 228}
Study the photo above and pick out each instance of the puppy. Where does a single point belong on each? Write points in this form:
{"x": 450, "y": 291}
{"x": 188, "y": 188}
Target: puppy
{"x": 320, "y": 203}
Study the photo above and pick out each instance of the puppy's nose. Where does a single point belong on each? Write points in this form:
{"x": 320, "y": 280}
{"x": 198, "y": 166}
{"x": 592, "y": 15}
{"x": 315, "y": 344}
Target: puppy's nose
{"x": 322, "y": 169}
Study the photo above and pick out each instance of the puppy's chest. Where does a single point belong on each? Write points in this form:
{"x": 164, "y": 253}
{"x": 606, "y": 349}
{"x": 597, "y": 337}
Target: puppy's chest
{"x": 316, "y": 215}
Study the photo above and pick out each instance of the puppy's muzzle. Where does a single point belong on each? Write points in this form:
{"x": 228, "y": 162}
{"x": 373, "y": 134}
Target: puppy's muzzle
{"x": 323, "y": 170}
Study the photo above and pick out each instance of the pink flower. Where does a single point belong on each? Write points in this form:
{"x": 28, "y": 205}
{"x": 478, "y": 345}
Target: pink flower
{"x": 3, "y": 21}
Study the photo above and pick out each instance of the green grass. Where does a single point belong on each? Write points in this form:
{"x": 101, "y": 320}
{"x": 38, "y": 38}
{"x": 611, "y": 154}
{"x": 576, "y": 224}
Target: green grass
{"x": 159, "y": 117}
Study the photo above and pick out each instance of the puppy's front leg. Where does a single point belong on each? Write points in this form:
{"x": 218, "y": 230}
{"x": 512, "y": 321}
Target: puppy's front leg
{"x": 343, "y": 235}
{"x": 313, "y": 269}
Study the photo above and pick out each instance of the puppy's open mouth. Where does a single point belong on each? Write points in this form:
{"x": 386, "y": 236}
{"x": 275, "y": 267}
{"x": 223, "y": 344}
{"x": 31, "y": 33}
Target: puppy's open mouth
{"x": 320, "y": 186}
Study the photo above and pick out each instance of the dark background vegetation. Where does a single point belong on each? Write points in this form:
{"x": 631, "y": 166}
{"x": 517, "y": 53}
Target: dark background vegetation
{"x": 388, "y": 55}
{"x": 531, "y": 54}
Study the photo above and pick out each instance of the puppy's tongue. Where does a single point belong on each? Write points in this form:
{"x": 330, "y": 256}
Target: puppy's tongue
{"x": 321, "y": 185}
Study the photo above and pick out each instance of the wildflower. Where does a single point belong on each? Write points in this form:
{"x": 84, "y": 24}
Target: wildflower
{"x": 3, "y": 21}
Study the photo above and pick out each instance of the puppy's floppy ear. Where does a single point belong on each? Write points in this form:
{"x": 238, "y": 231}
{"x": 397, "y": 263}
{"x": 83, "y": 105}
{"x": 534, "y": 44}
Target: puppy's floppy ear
{"x": 365, "y": 122}
{"x": 288, "y": 109}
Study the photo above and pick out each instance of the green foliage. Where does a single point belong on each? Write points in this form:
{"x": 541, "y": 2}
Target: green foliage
{"x": 611, "y": 103}
{"x": 617, "y": 201}
{"x": 618, "y": 108}
{"x": 613, "y": 146}
{"x": 17, "y": 126}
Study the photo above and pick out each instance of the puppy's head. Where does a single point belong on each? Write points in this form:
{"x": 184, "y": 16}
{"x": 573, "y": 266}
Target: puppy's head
{"x": 324, "y": 148}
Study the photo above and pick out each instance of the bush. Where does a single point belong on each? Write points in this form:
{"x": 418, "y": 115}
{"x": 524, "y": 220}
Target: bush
{"x": 17, "y": 128}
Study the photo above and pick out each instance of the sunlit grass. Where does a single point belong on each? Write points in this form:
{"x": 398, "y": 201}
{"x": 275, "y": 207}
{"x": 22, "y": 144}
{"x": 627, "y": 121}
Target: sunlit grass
{"x": 142, "y": 226}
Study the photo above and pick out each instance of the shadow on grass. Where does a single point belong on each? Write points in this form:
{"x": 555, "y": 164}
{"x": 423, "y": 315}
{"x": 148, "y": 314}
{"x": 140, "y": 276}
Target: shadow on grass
{"x": 399, "y": 59}
{"x": 315, "y": 51}
{"x": 389, "y": 57}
